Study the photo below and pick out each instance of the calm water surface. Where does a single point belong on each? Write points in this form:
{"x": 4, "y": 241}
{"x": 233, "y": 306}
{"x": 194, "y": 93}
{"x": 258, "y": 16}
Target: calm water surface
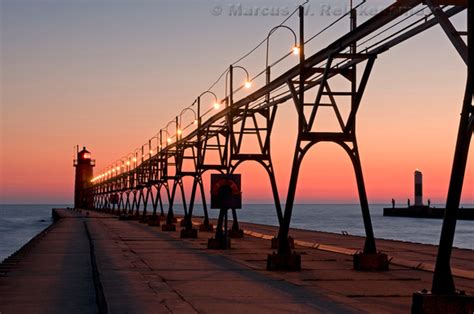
{"x": 19, "y": 223}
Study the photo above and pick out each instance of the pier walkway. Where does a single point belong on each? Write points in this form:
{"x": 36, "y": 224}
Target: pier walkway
{"x": 92, "y": 262}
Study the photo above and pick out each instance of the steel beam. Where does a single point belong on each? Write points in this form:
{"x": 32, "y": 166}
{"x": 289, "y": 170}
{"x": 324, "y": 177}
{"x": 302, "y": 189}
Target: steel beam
{"x": 443, "y": 282}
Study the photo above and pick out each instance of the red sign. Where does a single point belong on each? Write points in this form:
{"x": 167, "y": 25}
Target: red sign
{"x": 226, "y": 191}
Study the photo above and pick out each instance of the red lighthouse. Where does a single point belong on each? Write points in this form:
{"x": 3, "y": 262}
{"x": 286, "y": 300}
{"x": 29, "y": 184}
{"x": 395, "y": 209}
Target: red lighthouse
{"x": 84, "y": 173}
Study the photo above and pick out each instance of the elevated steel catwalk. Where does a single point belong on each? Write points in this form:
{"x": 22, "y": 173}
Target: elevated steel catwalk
{"x": 253, "y": 115}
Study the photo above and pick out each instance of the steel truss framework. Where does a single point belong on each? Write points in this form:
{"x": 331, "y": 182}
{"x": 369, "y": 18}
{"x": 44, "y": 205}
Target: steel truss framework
{"x": 253, "y": 116}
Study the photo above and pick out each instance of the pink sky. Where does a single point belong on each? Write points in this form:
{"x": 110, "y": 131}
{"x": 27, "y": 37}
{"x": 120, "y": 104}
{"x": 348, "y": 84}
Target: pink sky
{"x": 109, "y": 77}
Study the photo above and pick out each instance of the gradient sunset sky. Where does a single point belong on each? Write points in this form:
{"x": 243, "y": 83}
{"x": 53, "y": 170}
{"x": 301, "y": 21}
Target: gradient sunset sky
{"x": 108, "y": 74}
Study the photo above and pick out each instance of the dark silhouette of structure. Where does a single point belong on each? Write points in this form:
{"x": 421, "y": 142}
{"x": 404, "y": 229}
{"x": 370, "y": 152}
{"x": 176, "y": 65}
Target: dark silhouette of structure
{"x": 418, "y": 188}
{"x": 160, "y": 166}
{"x": 419, "y": 210}
{"x": 84, "y": 173}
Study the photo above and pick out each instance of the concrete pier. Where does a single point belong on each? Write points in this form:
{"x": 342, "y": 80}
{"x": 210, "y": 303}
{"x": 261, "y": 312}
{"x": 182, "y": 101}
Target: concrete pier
{"x": 92, "y": 262}
{"x": 53, "y": 273}
{"x": 427, "y": 212}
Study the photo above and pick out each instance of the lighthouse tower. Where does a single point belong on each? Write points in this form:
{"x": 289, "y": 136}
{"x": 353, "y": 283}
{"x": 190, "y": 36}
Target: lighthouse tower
{"x": 418, "y": 188}
{"x": 84, "y": 172}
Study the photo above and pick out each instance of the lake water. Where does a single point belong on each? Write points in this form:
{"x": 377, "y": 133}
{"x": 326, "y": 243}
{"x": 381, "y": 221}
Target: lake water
{"x": 19, "y": 223}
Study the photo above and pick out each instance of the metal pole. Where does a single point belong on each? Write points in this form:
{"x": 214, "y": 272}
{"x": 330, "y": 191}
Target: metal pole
{"x": 267, "y": 70}
{"x": 177, "y": 130}
{"x": 199, "y": 112}
{"x": 276, "y": 196}
{"x": 189, "y": 223}
{"x": 161, "y": 139}
{"x": 369, "y": 246}
{"x": 231, "y": 104}
{"x": 162, "y": 211}
{"x": 301, "y": 68}
{"x": 443, "y": 282}
{"x": 231, "y": 87}
{"x": 170, "y": 216}
{"x": 226, "y": 232}
{"x": 204, "y": 205}
{"x": 198, "y": 135}
{"x": 183, "y": 199}
{"x": 283, "y": 247}
{"x": 149, "y": 147}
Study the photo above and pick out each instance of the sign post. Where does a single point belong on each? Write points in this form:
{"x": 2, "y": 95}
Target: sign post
{"x": 225, "y": 194}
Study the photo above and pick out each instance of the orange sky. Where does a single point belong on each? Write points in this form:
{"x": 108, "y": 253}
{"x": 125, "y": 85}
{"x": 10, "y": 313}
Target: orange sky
{"x": 109, "y": 77}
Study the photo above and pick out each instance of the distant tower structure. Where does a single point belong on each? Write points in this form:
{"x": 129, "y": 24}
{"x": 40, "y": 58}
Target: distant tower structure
{"x": 418, "y": 188}
{"x": 84, "y": 173}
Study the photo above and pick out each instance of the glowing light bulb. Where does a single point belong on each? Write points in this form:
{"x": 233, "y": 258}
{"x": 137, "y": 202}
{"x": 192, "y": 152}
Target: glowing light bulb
{"x": 296, "y": 50}
{"x": 168, "y": 139}
{"x": 217, "y": 106}
{"x": 151, "y": 151}
{"x": 248, "y": 84}
{"x": 180, "y": 131}
{"x": 195, "y": 121}
{"x": 134, "y": 159}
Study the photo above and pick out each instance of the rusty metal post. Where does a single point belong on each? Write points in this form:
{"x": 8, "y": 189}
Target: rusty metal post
{"x": 369, "y": 246}
{"x": 284, "y": 259}
{"x": 443, "y": 293}
{"x": 284, "y": 248}
{"x": 442, "y": 279}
